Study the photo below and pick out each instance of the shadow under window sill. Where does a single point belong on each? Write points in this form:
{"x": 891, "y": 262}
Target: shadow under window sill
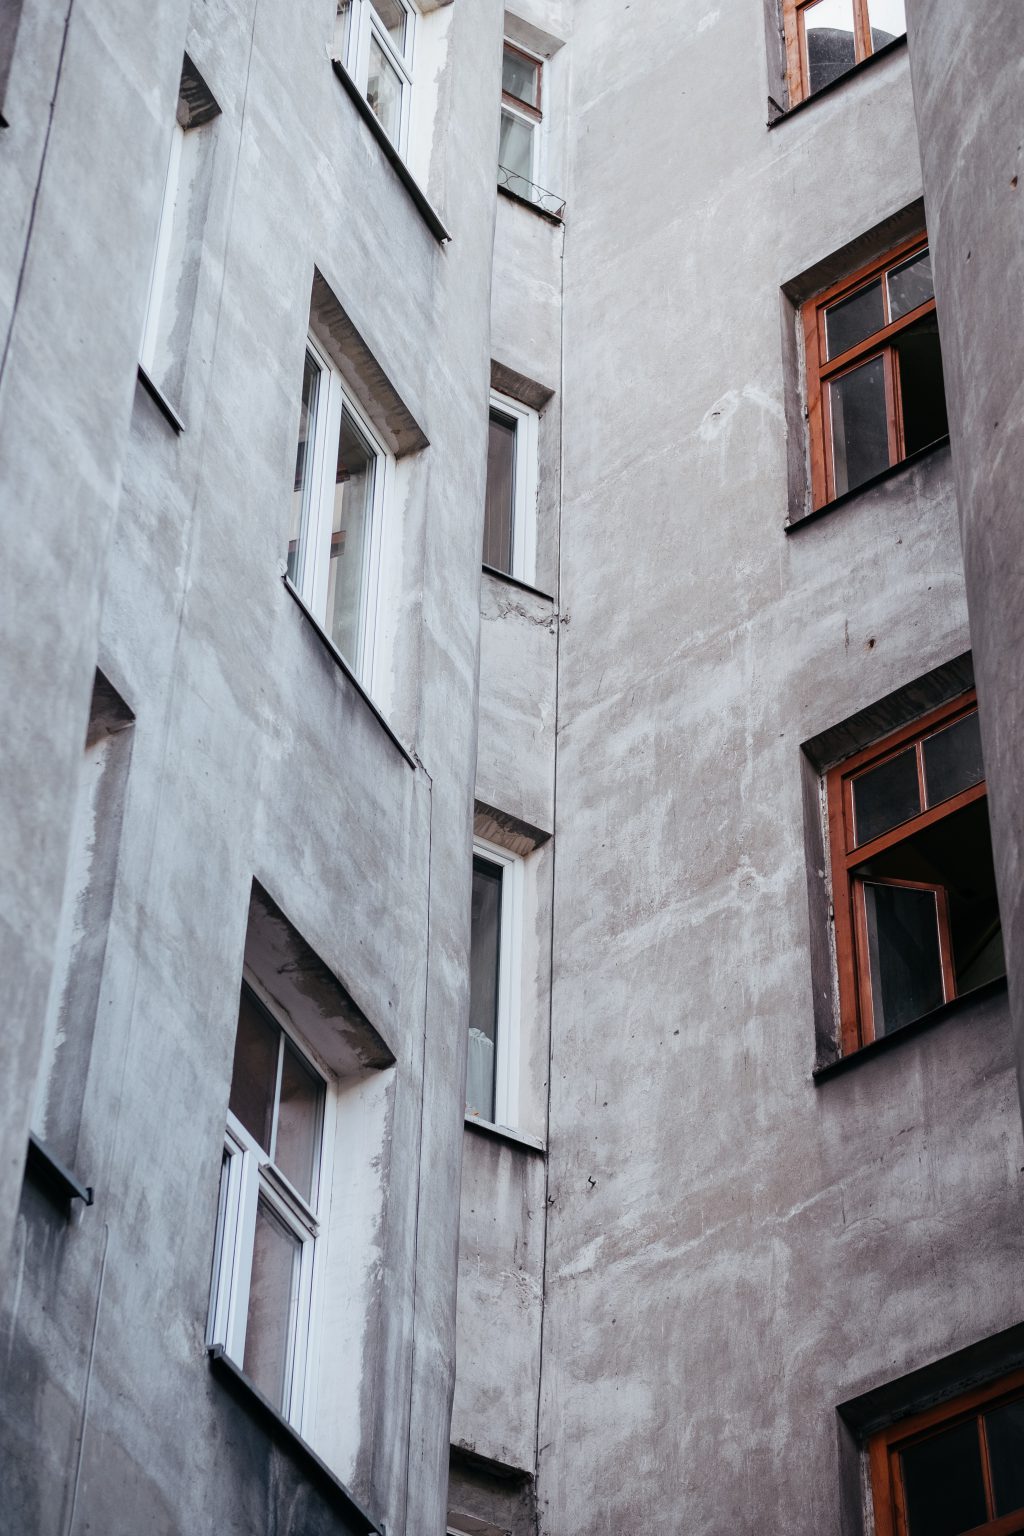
{"x": 955, "y": 1007}
{"x": 50, "y": 1175}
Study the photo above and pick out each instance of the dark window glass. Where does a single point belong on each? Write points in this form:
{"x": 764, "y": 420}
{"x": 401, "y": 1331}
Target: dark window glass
{"x": 254, "y": 1075}
{"x": 943, "y": 1483}
{"x": 831, "y": 49}
{"x": 485, "y": 952}
{"x": 885, "y": 796}
{"x": 272, "y": 1296}
{"x": 854, "y": 319}
{"x": 299, "y": 516}
{"x": 952, "y": 759}
{"x": 921, "y": 389}
{"x": 910, "y": 284}
{"x": 860, "y": 430}
{"x": 903, "y": 954}
{"x": 298, "y": 1122}
{"x": 501, "y": 471}
{"x": 1005, "y": 1430}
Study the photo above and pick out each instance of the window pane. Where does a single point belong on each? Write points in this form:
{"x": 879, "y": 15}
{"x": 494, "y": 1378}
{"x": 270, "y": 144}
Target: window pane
{"x": 299, "y": 520}
{"x": 299, "y": 1118}
{"x": 501, "y": 465}
{"x": 888, "y": 20}
{"x": 952, "y": 759}
{"x": 1005, "y": 1429}
{"x": 910, "y": 285}
{"x": 350, "y": 535}
{"x": 886, "y": 795}
{"x": 384, "y": 91}
{"x": 343, "y": 30}
{"x": 254, "y": 1075}
{"x": 922, "y": 395}
{"x": 943, "y": 1483}
{"x": 273, "y": 1297}
{"x": 860, "y": 431}
{"x": 515, "y": 147}
{"x": 521, "y": 78}
{"x": 483, "y": 988}
{"x": 854, "y": 319}
{"x": 831, "y": 49}
{"x": 393, "y": 15}
{"x": 903, "y": 954}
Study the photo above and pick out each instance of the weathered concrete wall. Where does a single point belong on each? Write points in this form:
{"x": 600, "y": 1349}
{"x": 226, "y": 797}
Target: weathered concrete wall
{"x": 732, "y": 1251}
{"x": 967, "y": 74}
{"x": 253, "y": 754}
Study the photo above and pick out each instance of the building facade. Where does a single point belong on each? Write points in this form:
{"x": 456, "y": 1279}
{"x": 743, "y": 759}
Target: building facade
{"x": 528, "y": 1045}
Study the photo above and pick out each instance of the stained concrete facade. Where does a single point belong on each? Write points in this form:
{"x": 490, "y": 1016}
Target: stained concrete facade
{"x": 679, "y": 1287}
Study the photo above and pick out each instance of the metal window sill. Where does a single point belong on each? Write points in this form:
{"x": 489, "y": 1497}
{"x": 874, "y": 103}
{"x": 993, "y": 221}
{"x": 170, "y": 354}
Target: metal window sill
{"x": 506, "y": 1133}
{"x": 859, "y": 490}
{"x": 557, "y": 219}
{"x": 161, "y": 401}
{"x": 514, "y": 581}
{"x": 405, "y": 176}
{"x": 956, "y": 1007}
{"x": 783, "y": 114}
{"x": 340, "y": 661}
{"x": 251, "y": 1399}
{"x": 50, "y": 1174}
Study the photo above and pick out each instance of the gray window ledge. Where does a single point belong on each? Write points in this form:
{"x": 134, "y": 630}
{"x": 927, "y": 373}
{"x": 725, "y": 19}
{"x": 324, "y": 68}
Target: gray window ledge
{"x": 251, "y": 1399}
{"x": 513, "y": 581}
{"x": 405, "y": 176}
{"x": 50, "y": 1174}
{"x": 859, "y": 490}
{"x": 340, "y": 661}
{"x": 956, "y": 1007}
{"x": 161, "y": 401}
{"x": 506, "y": 1133}
{"x": 783, "y": 114}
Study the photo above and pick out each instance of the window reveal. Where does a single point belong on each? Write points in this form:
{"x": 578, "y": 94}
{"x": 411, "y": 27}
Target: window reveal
{"x": 520, "y": 114}
{"x": 492, "y": 1072}
{"x": 826, "y": 38}
{"x": 510, "y": 513}
{"x": 916, "y": 916}
{"x": 874, "y": 372}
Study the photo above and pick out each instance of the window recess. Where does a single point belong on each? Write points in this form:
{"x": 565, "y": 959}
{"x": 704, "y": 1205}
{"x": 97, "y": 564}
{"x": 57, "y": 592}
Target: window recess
{"x": 510, "y": 517}
{"x": 374, "y": 40}
{"x": 520, "y": 140}
{"x": 875, "y": 391}
{"x": 955, "y": 1468}
{"x": 826, "y": 38}
{"x": 916, "y": 916}
{"x": 492, "y": 1073}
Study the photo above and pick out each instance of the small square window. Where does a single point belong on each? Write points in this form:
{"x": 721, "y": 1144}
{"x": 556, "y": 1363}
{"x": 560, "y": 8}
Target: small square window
{"x": 492, "y": 1073}
{"x": 510, "y": 518}
{"x": 826, "y": 38}
{"x": 874, "y": 372}
{"x": 374, "y": 41}
{"x": 913, "y": 885}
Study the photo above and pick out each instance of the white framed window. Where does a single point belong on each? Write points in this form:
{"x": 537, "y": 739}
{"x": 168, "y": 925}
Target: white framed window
{"x": 492, "y": 1074}
{"x": 510, "y": 517}
{"x": 158, "y": 277}
{"x": 520, "y": 135}
{"x": 337, "y": 513}
{"x": 374, "y": 40}
{"x": 273, "y": 1173}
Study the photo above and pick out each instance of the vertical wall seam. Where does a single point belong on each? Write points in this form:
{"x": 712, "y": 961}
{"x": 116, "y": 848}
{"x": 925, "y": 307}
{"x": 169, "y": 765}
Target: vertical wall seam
{"x": 80, "y": 1450}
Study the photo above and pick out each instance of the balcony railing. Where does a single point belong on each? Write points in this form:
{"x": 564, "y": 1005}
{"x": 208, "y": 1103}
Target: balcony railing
{"x": 548, "y": 202}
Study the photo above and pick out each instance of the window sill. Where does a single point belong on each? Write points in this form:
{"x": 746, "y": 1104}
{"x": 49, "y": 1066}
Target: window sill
{"x": 524, "y": 202}
{"x": 506, "y": 1133}
{"x": 340, "y": 661}
{"x": 405, "y": 176}
{"x": 251, "y": 1399}
{"x": 50, "y": 1174}
{"x": 859, "y": 490}
{"x": 161, "y": 401}
{"x": 513, "y": 581}
{"x": 783, "y": 114}
{"x": 956, "y": 1007}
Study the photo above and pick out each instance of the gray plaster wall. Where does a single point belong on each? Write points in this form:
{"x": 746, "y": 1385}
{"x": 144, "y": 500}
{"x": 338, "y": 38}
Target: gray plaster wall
{"x": 732, "y": 1250}
{"x": 254, "y": 756}
{"x": 967, "y": 84}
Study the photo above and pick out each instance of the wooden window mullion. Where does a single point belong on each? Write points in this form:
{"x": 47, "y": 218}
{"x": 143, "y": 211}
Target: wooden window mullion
{"x": 862, "y": 30}
{"x": 986, "y": 1468}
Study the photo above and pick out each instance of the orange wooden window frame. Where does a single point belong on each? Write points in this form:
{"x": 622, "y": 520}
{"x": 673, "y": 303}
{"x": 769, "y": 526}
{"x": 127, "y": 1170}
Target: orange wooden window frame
{"x": 797, "y": 70}
{"x": 822, "y": 369}
{"x": 856, "y": 1014}
{"x": 517, "y": 101}
{"x": 884, "y": 1456}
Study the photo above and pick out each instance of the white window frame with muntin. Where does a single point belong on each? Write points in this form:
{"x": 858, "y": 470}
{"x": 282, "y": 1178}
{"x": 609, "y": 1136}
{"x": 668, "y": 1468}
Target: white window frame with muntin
{"x": 311, "y": 531}
{"x": 526, "y": 421}
{"x": 359, "y": 27}
{"x": 161, "y": 254}
{"x": 509, "y": 990}
{"x": 249, "y": 1178}
{"x": 519, "y": 109}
